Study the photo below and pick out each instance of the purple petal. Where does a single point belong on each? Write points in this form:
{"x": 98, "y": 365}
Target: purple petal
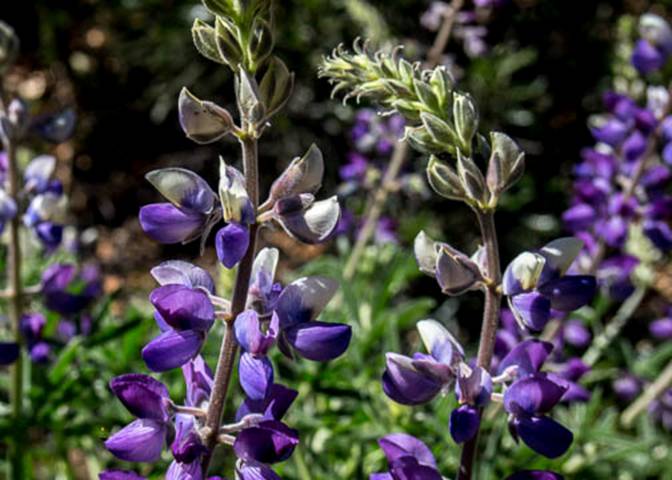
{"x": 439, "y": 342}
{"x": 532, "y": 310}
{"x": 405, "y": 384}
{"x": 319, "y": 341}
{"x": 172, "y": 349}
{"x": 255, "y": 376}
{"x": 270, "y": 442}
{"x": 532, "y": 395}
{"x": 119, "y": 475}
{"x": 646, "y": 58}
{"x": 274, "y": 406}
{"x": 184, "y": 471}
{"x": 231, "y": 243}
{"x": 570, "y": 292}
{"x": 579, "y": 217}
{"x": 255, "y": 471}
{"x": 522, "y": 274}
{"x": 544, "y": 435}
{"x": 304, "y": 299}
{"x": 576, "y": 334}
{"x": 139, "y": 441}
{"x": 249, "y": 335}
{"x": 186, "y": 446}
{"x": 165, "y": 223}
{"x": 142, "y": 395}
{"x": 183, "y": 188}
{"x": 408, "y": 468}
{"x": 313, "y": 224}
{"x": 464, "y": 423}
{"x": 397, "y": 445}
{"x": 183, "y": 308}
{"x": 183, "y": 273}
{"x": 661, "y": 329}
{"x": 659, "y": 233}
{"x": 528, "y": 356}
{"x": 198, "y": 377}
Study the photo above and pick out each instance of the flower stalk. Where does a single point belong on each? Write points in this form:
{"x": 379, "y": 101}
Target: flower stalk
{"x": 491, "y": 313}
{"x": 399, "y": 154}
{"x": 229, "y": 348}
{"x": 14, "y": 296}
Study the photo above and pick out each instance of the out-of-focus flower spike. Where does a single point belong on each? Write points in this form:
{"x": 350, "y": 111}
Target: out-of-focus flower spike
{"x": 38, "y": 172}
{"x": 55, "y": 128}
{"x": 119, "y": 475}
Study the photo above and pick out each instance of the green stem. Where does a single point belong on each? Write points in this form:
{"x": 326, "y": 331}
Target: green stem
{"x": 229, "y": 347}
{"x": 491, "y": 311}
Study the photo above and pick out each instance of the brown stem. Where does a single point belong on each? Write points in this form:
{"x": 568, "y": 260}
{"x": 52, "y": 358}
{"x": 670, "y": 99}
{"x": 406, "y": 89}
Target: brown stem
{"x": 229, "y": 348}
{"x": 15, "y": 309}
{"x": 378, "y": 198}
{"x": 486, "y": 346}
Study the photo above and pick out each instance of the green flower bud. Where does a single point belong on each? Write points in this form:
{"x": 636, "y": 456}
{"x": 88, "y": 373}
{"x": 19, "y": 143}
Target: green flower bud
{"x": 205, "y": 42}
{"x": 471, "y": 179}
{"x": 261, "y": 44}
{"x": 466, "y": 119}
{"x": 444, "y": 180}
{"x": 249, "y": 101}
{"x": 506, "y": 164}
{"x": 227, "y": 43}
{"x": 276, "y": 86}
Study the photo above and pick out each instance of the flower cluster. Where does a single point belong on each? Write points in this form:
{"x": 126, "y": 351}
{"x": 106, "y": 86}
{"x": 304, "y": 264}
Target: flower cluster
{"x": 654, "y": 48}
{"x": 262, "y": 312}
{"x": 409, "y": 458}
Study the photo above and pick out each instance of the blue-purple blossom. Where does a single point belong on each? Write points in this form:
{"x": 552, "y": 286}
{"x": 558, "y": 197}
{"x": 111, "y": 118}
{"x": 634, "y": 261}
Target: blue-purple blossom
{"x": 536, "y": 283}
{"x": 418, "y": 379}
{"x": 407, "y": 458}
{"x": 653, "y": 50}
{"x": 68, "y": 289}
{"x": 146, "y": 398}
{"x": 185, "y": 315}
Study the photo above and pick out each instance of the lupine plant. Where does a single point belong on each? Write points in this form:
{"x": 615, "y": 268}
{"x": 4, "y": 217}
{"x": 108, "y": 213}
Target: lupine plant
{"x": 261, "y": 312}
{"x": 538, "y": 285}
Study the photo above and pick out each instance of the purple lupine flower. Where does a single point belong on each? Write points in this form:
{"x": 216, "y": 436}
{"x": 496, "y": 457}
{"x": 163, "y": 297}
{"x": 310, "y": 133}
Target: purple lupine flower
{"x": 255, "y": 369}
{"x": 191, "y": 209}
{"x": 297, "y": 308}
{"x": 576, "y": 334}
{"x": 654, "y": 48}
{"x": 251, "y": 470}
{"x": 661, "y": 329}
{"x": 473, "y": 389}
{"x": 418, "y": 379}
{"x": 148, "y": 399}
{"x": 627, "y": 387}
{"x": 263, "y": 292}
{"x": 58, "y": 281}
{"x": 536, "y": 283}
{"x": 32, "y": 326}
{"x": 531, "y": 396}
{"x": 661, "y": 410}
{"x": 186, "y": 315}
{"x": 567, "y": 375}
{"x": 408, "y": 458}
{"x": 355, "y": 169}
{"x": 271, "y": 441}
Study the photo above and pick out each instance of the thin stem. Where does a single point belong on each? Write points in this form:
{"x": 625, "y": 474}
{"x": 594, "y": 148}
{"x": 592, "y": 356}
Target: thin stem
{"x": 379, "y": 197}
{"x": 653, "y": 391}
{"x": 614, "y": 328}
{"x": 229, "y": 347}
{"x": 15, "y": 307}
{"x": 491, "y": 312}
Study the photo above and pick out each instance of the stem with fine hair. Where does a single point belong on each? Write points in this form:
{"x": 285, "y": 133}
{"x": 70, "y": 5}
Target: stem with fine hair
{"x": 15, "y": 310}
{"x": 653, "y": 391}
{"x": 229, "y": 347}
{"x": 491, "y": 312}
{"x": 379, "y": 197}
